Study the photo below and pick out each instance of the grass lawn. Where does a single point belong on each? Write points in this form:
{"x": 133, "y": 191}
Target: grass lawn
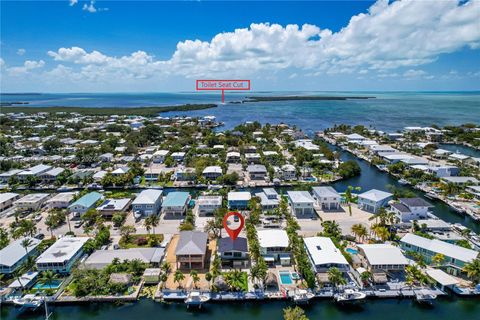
{"x": 139, "y": 241}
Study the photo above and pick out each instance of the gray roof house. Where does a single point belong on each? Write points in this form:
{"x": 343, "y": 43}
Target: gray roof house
{"x": 327, "y": 198}
{"x": 234, "y": 253}
{"x": 14, "y": 255}
{"x": 191, "y": 250}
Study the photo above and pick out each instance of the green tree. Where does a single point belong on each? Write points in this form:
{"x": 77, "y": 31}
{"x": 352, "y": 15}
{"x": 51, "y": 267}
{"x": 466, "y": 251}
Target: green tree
{"x": 472, "y": 269}
{"x": 48, "y": 277}
{"x": 336, "y": 277}
{"x": 195, "y": 278}
{"x": 349, "y": 197}
{"x": 294, "y": 313}
{"x": 178, "y": 277}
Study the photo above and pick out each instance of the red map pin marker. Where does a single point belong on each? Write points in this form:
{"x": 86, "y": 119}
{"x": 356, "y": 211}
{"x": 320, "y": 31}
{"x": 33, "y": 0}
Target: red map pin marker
{"x": 233, "y": 233}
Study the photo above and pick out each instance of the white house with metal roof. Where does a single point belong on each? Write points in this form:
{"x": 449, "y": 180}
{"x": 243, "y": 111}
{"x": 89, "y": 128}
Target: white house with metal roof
{"x": 148, "y": 202}
{"x": 382, "y": 257}
{"x": 7, "y": 199}
{"x": 301, "y": 202}
{"x": 269, "y": 198}
{"x": 274, "y": 246}
{"x": 327, "y": 198}
{"x": 14, "y": 255}
{"x": 323, "y": 254}
{"x": 373, "y": 200}
{"x": 60, "y": 200}
{"x": 32, "y": 201}
{"x": 238, "y": 199}
{"x": 61, "y": 256}
{"x": 208, "y": 204}
{"x": 99, "y": 259}
{"x": 455, "y": 256}
{"x": 112, "y": 206}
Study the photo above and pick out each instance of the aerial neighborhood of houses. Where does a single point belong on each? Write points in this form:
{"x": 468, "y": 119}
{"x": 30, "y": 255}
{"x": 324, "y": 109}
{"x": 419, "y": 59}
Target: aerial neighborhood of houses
{"x": 137, "y": 204}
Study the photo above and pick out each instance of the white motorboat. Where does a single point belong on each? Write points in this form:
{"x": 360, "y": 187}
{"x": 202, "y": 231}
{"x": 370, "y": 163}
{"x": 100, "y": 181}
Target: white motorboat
{"x": 29, "y": 301}
{"x": 195, "y": 298}
{"x": 302, "y": 296}
{"x": 403, "y": 182}
{"x": 425, "y": 297}
{"x": 349, "y": 296}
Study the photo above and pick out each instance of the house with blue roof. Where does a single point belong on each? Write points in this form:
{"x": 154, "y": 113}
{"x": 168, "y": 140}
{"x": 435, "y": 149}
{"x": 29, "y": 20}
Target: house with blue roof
{"x": 176, "y": 203}
{"x": 85, "y": 203}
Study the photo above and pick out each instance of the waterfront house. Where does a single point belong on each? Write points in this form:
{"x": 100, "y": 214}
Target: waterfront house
{"x": 408, "y": 209}
{"x": 35, "y": 171}
{"x": 191, "y": 250}
{"x": 274, "y": 246}
{"x": 61, "y": 200}
{"x": 31, "y": 202}
{"x": 178, "y": 156}
{"x": 455, "y": 256}
{"x": 269, "y": 199}
{"x": 233, "y": 157}
{"x": 85, "y": 203}
{"x": 99, "y": 259}
{"x": 301, "y": 203}
{"x": 113, "y": 206}
{"x": 250, "y": 149}
{"x": 238, "y": 200}
{"x": 382, "y": 257}
{"x": 474, "y": 190}
{"x": 252, "y": 158}
{"x": 14, "y": 255}
{"x": 62, "y": 255}
{"x": 307, "y": 144}
{"x": 152, "y": 173}
{"x": 373, "y": 200}
{"x": 207, "y": 205}
{"x": 393, "y": 157}
{"x": 7, "y": 199}
{"x": 323, "y": 254}
{"x": 51, "y": 175}
{"x": 176, "y": 203}
{"x": 381, "y": 148}
{"x": 355, "y": 138}
{"x": 106, "y": 157}
{"x": 234, "y": 253}
{"x": 289, "y": 172}
{"x": 120, "y": 171}
{"x": 257, "y": 171}
{"x": 460, "y": 181}
{"x": 458, "y": 157}
{"x": 441, "y": 154}
{"x": 184, "y": 174}
{"x": 327, "y": 198}
{"x": 5, "y": 176}
{"x": 148, "y": 202}
{"x": 212, "y": 172}
{"x": 443, "y": 171}
{"x": 98, "y": 176}
{"x": 159, "y": 156}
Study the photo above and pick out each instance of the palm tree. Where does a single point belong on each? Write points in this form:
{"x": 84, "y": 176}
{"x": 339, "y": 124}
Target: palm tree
{"x": 359, "y": 230}
{"x": 166, "y": 268}
{"x": 234, "y": 279}
{"x": 195, "y": 278}
{"x": 473, "y": 270}
{"x": 335, "y": 277}
{"x": 366, "y": 276}
{"x": 154, "y": 221}
{"x": 178, "y": 277}
{"x": 349, "y": 197}
{"x": 148, "y": 224}
{"x": 438, "y": 259}
{"x": 48, "y": 277}
{"x": 26, "y": 243}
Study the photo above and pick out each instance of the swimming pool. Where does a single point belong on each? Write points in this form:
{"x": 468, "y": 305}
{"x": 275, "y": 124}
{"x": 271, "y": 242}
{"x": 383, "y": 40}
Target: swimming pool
{"x": 44, "y": 286}
{"x": 285, "y": 277}
{"x": 351, "y": 251}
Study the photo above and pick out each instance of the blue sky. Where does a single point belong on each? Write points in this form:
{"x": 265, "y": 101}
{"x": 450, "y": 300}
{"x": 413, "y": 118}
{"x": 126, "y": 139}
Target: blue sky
{"x": 81, "y": 46}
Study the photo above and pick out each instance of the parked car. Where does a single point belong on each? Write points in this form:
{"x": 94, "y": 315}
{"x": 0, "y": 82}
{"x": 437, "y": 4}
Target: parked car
{"x": 39, "y": 236}
{"x": 78, "y": 224}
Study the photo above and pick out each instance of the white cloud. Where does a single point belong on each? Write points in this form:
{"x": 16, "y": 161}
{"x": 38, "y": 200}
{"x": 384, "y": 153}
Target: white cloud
{"x": 73, "y": 2}
{"x": 28, "y": 65}
{"x": 412, "y": 73}
{"x": 91, "y": 7}
{"x": 21, "y": 52}
{"x": 389, "y": 38}
{"x": 2, "y": 63}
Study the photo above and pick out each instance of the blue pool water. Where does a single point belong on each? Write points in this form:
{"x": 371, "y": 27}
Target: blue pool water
{"x": 43, "y": 286}
{"x": 285, "y": 278}
{"x": 351, "y": 251}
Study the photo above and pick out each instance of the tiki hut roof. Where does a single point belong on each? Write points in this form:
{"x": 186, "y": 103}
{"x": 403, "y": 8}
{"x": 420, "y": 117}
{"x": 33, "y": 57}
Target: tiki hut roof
{"x": 271, "y": 280}
{"x": 220, "y": 283}
{"x": 379, "y": 277}
{"x": 323, "y": 277}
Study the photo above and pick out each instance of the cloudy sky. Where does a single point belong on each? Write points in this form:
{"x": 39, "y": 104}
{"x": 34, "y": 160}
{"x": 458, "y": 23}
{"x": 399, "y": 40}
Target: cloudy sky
{"x": 100, "y": 46}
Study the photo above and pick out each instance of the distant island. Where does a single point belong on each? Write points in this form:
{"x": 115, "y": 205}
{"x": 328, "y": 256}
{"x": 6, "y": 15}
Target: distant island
{"x": 292, "y": 98}
{"x": 139, "y": 111}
